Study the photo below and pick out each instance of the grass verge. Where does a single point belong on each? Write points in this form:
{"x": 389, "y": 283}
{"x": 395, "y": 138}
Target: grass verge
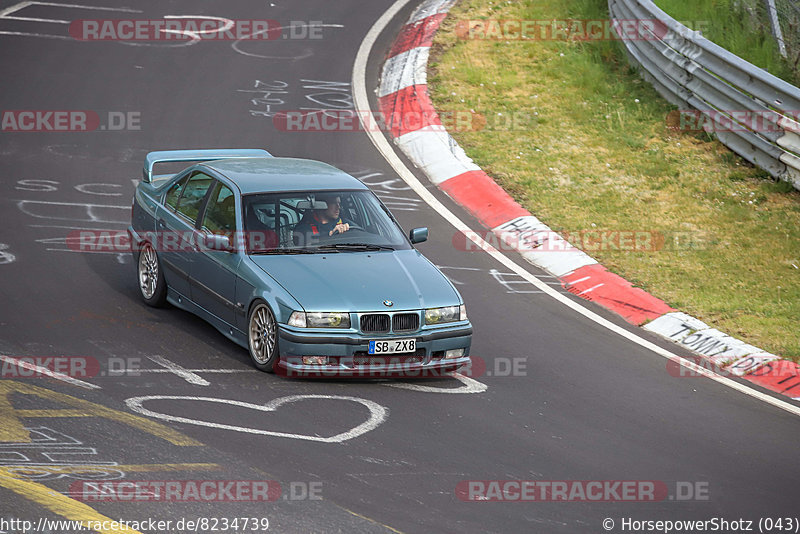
{"x": 593, "y": 152}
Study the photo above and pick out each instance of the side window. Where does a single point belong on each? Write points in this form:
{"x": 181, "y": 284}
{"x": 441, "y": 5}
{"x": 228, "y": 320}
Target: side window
{"x": 174, "y": 192}
{"x": 220, "y": 215}
{"x": 358, "y": 214}
{"x": 193, "y": 194}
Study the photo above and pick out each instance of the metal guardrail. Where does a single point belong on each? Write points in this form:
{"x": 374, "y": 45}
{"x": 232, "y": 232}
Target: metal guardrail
{"x": 751, "y": 111}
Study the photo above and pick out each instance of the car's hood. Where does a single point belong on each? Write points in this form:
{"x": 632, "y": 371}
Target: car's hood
{"x": 360, "y": 281}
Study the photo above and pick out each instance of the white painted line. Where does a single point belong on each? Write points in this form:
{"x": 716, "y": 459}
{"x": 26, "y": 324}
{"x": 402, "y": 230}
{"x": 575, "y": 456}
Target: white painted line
{"x": 22, "y": 5}
{"x": 382, "y": 145}
{"x": 6, "y": 257}
{"x": 377, "y": 415}
{"x": 81, "y": 6}
{"x": 40, "y": 35}
{"x": 590, "y": 289}
{"x": 28, "y": 206}
{"x": 84, "y": 251}
{"x": 469, "y": 386}
{"x": 14, "y": 8}
{"x": 307, "y": 53}
{"x": 176, "y": 369}
{"x": 85, "y": 204}
{"x": 30, "y": 19}
{"x": 68, "y": 227}
{"x": 573, "y": 282}
{"x": 47, "y": 372}
{"x": 133, "y": 372}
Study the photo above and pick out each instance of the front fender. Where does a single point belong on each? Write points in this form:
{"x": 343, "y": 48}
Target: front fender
{"x": 254, "y": 284}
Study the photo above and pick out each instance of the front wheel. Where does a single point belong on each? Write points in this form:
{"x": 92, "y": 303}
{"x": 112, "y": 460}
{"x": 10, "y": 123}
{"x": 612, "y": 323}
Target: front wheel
{"x": 152, "y": 286}
{"x": 263, "y": 337}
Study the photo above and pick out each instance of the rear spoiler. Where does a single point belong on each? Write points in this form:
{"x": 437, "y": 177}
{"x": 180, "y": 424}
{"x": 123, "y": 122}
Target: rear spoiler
{"x": 197, "y": 155}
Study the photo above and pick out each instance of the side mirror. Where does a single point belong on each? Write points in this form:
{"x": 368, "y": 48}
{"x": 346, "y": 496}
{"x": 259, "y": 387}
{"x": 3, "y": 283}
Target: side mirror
{"x": 418, "y": 235}
{"x": 218, "y": 242}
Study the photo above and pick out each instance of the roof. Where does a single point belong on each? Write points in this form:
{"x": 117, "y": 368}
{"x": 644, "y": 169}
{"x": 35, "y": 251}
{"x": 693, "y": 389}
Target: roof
{"x": 259, "y": 175}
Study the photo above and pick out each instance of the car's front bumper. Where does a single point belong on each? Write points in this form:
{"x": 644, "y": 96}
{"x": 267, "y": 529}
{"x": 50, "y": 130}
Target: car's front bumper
{"x": 347, "y": 353}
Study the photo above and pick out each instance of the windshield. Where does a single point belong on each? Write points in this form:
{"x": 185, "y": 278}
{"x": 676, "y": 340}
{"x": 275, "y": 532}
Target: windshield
{"x": 314, "y": 221}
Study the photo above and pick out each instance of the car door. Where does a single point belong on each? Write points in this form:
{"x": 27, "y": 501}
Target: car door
{"x": 214, "y": 272}
{"x": 176, "y": 225}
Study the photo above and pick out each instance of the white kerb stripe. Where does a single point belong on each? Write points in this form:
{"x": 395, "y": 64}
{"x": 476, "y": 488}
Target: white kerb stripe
{"x": 436, "y": 152}
{"x": 404, "y": 70}
{"x": 429, "y": 8}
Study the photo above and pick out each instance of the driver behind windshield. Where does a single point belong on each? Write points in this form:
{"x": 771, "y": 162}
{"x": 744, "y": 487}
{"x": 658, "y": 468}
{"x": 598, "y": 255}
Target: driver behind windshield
{"x": 323, "y": 222}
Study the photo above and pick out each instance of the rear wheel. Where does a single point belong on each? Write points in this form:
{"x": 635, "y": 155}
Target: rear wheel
{"x": 263, "y": 337}
{"x": 152, "y": 286}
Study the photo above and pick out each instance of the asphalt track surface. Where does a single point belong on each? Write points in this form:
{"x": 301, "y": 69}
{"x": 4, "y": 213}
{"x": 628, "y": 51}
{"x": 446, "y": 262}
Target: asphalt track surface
{"x": 582, "y": 404}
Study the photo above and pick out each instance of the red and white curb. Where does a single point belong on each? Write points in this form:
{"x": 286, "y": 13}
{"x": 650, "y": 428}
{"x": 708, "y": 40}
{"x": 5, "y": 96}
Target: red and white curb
{"x": 403, "y": 92}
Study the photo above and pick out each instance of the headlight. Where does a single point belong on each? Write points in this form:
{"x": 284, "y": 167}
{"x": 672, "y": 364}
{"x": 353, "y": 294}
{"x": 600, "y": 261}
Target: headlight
{"x": 448, "y": 314}
{"x": 297, "y": 319}
{"x": 320, "y": 320}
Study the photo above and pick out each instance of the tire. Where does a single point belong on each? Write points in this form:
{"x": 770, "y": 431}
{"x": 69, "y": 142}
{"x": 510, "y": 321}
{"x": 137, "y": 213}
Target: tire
{"x": 262, "y": 337}
{"x": 150, "y": 277}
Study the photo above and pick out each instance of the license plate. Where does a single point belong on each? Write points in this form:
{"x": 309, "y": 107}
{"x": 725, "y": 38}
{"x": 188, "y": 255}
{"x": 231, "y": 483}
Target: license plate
{"x": 392, "y": 346}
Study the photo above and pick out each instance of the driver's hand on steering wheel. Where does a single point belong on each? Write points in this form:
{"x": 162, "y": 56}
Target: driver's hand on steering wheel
{"x": 339, "y": 229}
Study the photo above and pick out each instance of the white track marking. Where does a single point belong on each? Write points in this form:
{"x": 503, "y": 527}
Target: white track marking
{"x": 39, "y": 35}
{"x": 14, "y": 8}
{"x": 4, "y": 14}
{"x": 85, "y": 251}
{"x": 22, "y": 5}
{"x": 84, "y": 188}
{"x": 590, "y": 289}
{"x": 382, "y": 145}
{"x": 195, "y": 35}
{"x": 26, "y": 206}
{"x": 377, "y": 415}
{"x": 307, "y": 53}
{"x": 6, "y": 257}
{"x": 66, "y": 227}
{"x": 47, "y": 372}
{"x": 81, "y": 6}
{"x": 31, "y": 19}
{"x": 470, "y": 386}
{"x": 176, "y": 369}
{"x": 500, "y": 278}
{"x": 134, "y": 372}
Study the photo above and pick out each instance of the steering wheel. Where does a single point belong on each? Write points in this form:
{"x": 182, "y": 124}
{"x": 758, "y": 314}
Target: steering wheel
{"x": 352, "y": 227}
